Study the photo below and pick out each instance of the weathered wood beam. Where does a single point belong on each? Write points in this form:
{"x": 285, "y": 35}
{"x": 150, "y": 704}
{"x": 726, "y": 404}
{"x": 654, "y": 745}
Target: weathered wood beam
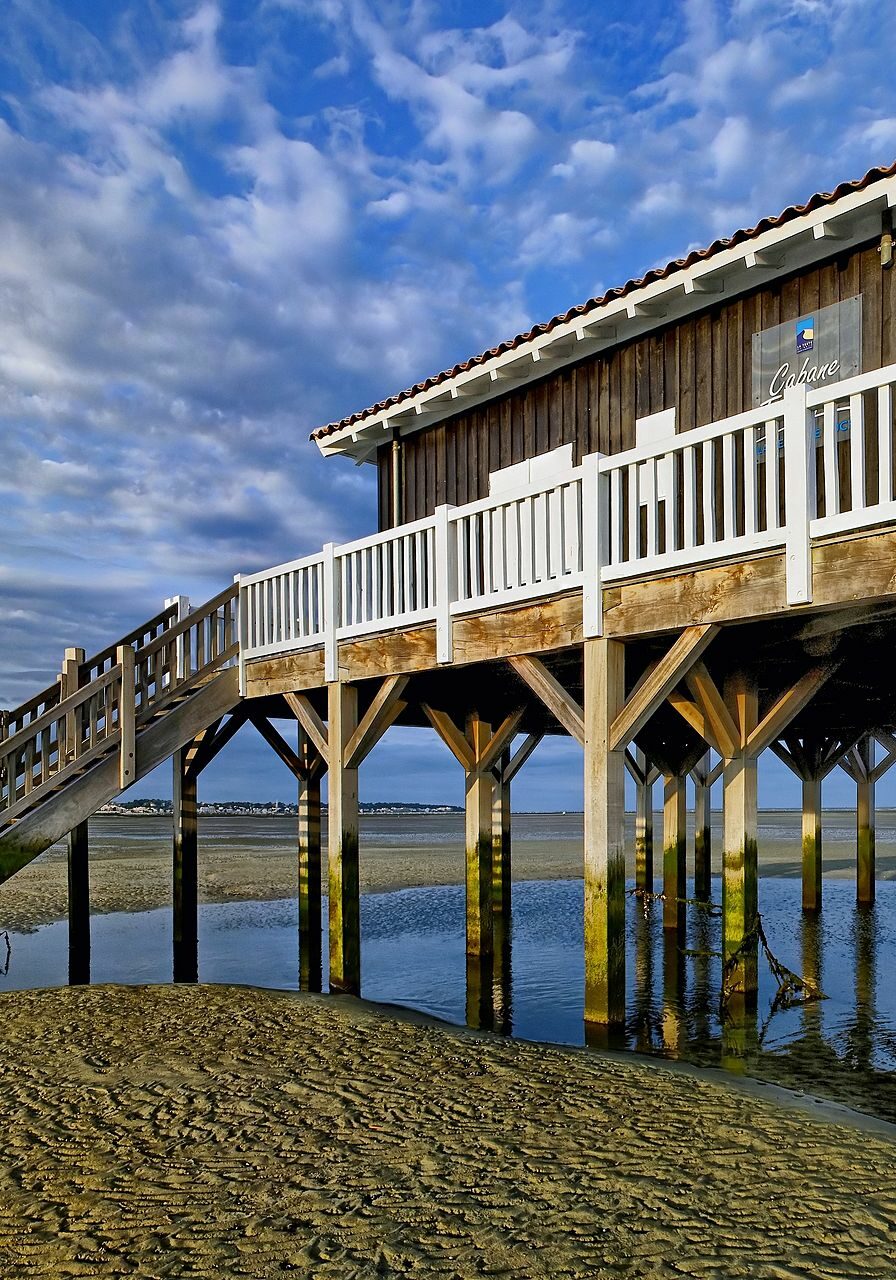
{"x": 604, "y": 834}
{"x": 702, "y": 830}
{"x": 811, "y": 846}
{"x": 694, "y": 716}
{"x": 479, "y": 792}
{"x": 562, "y": 706}
{"x": 309, "y": 856}
{"x": 705, "y": 692}
{"x": 787, "y": 707}
{"x": 884, "y": 766}
{"x": 633, "y": 769}
{"x": 520, "y": 756}
{"x": 865, "y": 821}
{"x": 383, "y": 711}
{"x": 674, "y": 851}
{"x": 342, "y": 827}
{"x": 451, "y": 735}
{"x": 501, "y": 841}
{"x": 78, "y": 905}
{"x": 301, "y": 707}
{"x": 663, "y": 678}
{"x": 643, "y": 821}
{"x": 185, "y": 937}
{"x": 279, "y": 744}
{"x": 501, "y": 739}
{"x": 208, "y": 744}
{"x": 740, "y": 889}
{"x": 127, "y": 718}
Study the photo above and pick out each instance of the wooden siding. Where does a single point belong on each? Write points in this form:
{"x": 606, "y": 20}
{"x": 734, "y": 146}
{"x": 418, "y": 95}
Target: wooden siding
{"x": 701, "y": 366}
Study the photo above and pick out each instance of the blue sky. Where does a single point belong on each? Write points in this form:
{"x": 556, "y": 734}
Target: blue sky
{"x": 223, "y": 224}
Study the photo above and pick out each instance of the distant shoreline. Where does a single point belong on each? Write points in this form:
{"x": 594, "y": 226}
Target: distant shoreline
{"x": 279, "y": 809}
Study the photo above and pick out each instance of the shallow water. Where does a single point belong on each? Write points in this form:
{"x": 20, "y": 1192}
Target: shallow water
{"x": 843, "y": 1047}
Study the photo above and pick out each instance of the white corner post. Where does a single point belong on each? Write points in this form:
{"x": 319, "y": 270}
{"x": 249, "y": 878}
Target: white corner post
{"x": 242, "y": 629}
{"x": 331, "y": 615}
{"x": 594, "y": 517}
{"x": 446, "y": 583}
{"x": 799, "y": 494}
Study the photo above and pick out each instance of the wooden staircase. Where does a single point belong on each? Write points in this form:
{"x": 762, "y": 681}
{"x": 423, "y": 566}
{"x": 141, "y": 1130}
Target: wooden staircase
{"x": 111, "y": 719}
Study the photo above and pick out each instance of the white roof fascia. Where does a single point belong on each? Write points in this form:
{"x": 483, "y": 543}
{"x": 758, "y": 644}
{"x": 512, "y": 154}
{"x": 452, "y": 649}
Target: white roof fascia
{"x": 796, "y": 245}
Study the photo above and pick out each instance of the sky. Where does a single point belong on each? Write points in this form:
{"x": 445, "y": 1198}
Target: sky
{"x": 225, "y": 223}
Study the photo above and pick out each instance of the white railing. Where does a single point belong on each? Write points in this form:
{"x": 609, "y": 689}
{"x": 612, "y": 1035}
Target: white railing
{"x": 853, "y": 430}
{"x": 778, "y": 476}
{"x": 518, "y": 545}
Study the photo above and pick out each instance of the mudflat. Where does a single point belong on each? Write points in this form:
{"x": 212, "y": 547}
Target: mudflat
{"x": 254, "y": 860}
{"x": 213, "y": 1131}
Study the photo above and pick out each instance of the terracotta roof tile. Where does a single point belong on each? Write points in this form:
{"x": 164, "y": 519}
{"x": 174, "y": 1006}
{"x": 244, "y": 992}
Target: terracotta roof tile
{"x": 815, "y": 201}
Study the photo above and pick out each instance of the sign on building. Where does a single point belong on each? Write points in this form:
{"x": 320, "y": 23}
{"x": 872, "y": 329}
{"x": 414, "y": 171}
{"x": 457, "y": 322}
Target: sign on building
{"x": 820, "y": 347}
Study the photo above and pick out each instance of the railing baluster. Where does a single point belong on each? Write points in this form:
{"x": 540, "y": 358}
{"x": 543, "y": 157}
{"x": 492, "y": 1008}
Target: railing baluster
{"x": 555, "y": 560}
{"x": 634, "y": 513}
{"x": 857, "y": 453}
{"x": 617, "y": 516}
{"x": 689, "y": 496}
{"x": 751, "y": 518}
{"x": 885, "y": 443}
{"x": 650, "y": 502}
{"x": 831, "y": 462}
{"x": 671, "y": 503}
{"x": 709, "y": 492}
{"x": 729, "y": 492}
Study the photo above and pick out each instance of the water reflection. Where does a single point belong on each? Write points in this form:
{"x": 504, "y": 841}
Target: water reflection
{"x": 413, "y": 954}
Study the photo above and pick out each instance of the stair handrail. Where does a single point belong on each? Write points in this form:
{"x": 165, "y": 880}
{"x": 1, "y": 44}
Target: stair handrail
{"x": 17, "y": 718}
{"x": 77, "y": 729}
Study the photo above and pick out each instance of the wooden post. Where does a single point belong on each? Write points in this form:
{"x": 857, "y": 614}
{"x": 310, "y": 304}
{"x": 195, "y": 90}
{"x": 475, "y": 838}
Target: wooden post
{"x": 674, "y": 852}
{"x": 702, "y": 832}
{"x": 604, "y": 668}
{"x": 78, "y": 906}
{"x": 865, "y": 813}
{"x": 812, "y": 864}
{"x": 127, "y": 769}
{"x": 740, "y": 871}
{"x": 501, "y": 836}
{"x": 480, "y": 785}
{"x": 185, "y": 870}
{"x": 78, "y": 844}
{"x": 310, "y": 960}
{"x": 343, "y": 819}
{"x": 644, "y": 827}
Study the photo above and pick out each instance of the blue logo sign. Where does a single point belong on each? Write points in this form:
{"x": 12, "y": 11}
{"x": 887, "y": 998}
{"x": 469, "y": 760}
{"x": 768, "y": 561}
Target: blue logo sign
{"x": 805, "y": 334}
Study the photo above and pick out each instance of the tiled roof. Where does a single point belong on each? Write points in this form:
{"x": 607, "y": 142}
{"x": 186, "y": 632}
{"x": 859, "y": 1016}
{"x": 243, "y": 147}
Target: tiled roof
{"x": 819, "y": 199}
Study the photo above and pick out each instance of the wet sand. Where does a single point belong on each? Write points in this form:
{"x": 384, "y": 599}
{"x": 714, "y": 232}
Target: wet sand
{"x": 205, "y": 1131}
{"x": 251, "y": 860}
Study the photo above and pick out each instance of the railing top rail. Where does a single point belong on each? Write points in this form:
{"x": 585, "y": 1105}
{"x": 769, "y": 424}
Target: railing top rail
{"x": 61, "y": 709}
{"x": 191, "y": 620}
{"x": 49, "y": 695}
{"x": 851, "y": 386}
{"x": 167, "y": 614}
{"x": 510, "y": 496}
{"x": 386, "y": 535}
{"x": 756, "y": 417}
{"x": 289, "y": 566}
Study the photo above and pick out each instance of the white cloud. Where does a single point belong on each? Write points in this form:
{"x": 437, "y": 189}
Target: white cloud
{"x": 588, "y": 159}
